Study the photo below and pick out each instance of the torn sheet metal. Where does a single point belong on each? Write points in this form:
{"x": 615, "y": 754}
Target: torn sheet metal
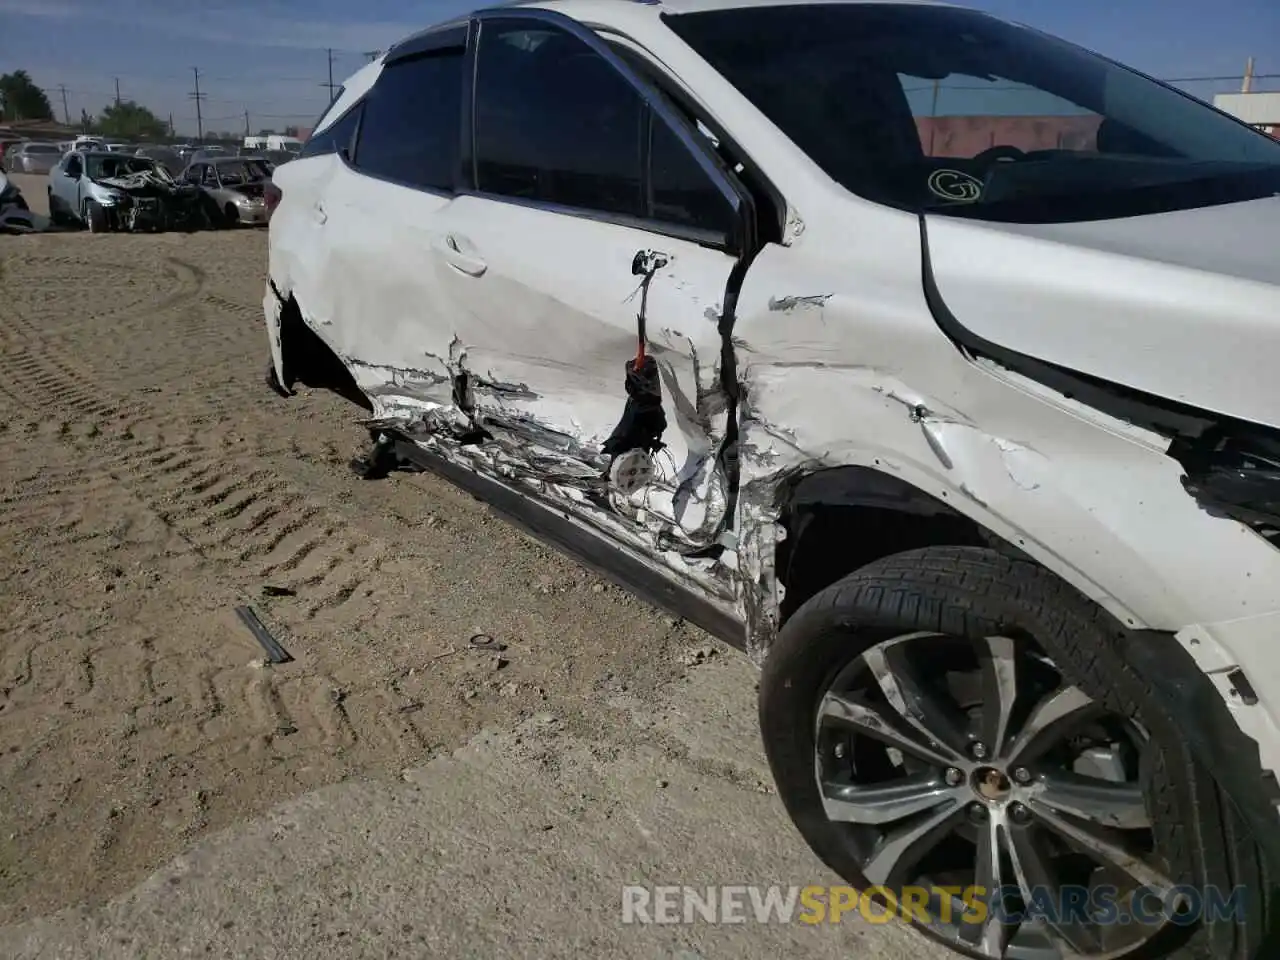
{"x": 1092, "y": 498}
{"x": 542, "y": 340}
{"x": 530, "y": 355}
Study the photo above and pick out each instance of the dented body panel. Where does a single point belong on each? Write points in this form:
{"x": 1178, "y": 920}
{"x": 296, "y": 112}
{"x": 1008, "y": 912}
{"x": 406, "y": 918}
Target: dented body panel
{"x": 494, "y": 335}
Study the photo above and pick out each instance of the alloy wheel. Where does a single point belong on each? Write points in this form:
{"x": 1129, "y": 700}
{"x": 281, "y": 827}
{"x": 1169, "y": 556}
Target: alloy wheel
{"x": 954, "y": 763}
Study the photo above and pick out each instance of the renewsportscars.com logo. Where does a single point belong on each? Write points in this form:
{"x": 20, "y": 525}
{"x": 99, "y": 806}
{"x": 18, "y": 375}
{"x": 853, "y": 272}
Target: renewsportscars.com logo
{"x": 1104, "y": 905}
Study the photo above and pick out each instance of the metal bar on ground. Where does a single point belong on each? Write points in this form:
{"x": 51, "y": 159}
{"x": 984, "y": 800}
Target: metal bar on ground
{"x": 275, "y": 652}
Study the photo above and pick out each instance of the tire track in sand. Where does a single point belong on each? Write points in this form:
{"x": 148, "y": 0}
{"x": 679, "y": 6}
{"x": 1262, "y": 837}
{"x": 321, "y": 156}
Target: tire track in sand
{"x": 209, "y": 490}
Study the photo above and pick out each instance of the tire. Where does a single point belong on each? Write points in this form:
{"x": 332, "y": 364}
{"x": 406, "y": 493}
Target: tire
{"x": 95, "y": 217}
{"x": 230, "y": 216}
{"x": 966, "y": 609}
{"x": 57, "y": 215}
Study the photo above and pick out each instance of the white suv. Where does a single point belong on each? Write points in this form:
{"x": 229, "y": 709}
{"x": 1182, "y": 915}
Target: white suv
{"x": 927, "y": 357}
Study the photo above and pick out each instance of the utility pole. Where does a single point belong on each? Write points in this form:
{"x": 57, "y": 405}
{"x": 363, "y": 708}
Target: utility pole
{"x": 66, "y": 114}
{"x": 1247, "y": 86}
{"x": 933, "y": 115}
{"x": 197, "y": 96}
{"x": 117, "y": 91}
{"x": 246, "y": 123}
{"x": 171, "y": 124}
{"x": 330, "y": 83}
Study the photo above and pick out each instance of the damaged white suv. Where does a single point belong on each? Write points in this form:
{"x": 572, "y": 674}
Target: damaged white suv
{"x": 928, "y": 357}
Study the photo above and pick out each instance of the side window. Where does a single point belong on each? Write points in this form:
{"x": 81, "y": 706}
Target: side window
{"x": 413, "y": 122}
{"x": 333, "y": 137}
{"x": 681, "y": 191}
{"x": 555, "y": 122}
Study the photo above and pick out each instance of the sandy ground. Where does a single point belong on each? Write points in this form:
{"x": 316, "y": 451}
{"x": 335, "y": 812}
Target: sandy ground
{"x": 389, "y": 791}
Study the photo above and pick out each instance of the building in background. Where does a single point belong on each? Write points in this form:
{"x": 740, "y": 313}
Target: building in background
{"x": 1260, "y": 109}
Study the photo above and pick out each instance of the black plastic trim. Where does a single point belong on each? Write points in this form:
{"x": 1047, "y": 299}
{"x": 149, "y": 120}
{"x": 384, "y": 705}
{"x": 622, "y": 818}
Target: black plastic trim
{"x": 556, "y": 529}
{"x": 752, "y": 174}
{"x": 447, "y": 36}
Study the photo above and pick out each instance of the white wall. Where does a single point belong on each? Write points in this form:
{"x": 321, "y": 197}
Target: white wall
{"x": 1256, "y": 108}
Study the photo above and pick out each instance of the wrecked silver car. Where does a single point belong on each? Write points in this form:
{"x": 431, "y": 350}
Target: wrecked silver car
{"x": 965, "y": 425}
{"x": 235, "y": 186}
{"x": 113, "y": 191}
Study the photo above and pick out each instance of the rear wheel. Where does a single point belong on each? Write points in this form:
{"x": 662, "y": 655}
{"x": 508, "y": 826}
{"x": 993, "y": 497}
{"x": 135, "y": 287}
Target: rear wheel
{"x": 922, "y": 738}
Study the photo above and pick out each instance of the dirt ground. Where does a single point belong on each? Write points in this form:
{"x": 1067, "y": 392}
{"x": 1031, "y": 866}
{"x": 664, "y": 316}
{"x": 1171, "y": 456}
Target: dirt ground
{"x": 149, "y": 483}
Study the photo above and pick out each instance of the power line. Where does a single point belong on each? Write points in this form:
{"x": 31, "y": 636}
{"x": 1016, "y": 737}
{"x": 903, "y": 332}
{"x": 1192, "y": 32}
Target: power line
{"x": 1256, "y": 76}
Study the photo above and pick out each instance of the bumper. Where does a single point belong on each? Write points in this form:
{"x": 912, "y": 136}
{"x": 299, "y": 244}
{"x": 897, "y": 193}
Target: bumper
{"x": 272, "y": 308}
{"x": 254, "y": 215}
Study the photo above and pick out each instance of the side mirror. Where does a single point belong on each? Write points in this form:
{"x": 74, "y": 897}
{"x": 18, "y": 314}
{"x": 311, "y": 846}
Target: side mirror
{"x": 74, "y": 170}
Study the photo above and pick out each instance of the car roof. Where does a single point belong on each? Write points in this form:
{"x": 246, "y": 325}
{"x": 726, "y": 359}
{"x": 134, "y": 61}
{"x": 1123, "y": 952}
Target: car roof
{"x": 603, "y": 11}
{"x": 107, "y": 153}
{"x": 618, "y": 12}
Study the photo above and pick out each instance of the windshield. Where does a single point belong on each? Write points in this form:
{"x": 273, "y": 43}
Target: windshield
{"x": 242, "y": 171}
{"x": 944, "y": 110}
{"x": 41, "y": 148}
{"x": 100, "y": 167}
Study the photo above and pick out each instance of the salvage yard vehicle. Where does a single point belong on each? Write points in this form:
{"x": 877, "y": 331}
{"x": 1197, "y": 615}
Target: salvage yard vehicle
{"x": 113, "y": 191}
{"x": 165, "y": 157}
{"x": 972, "y": 440}
{"x": 15, "y": 214}
{"x": 33, "y": 157}
{"x": 236, "y": 186}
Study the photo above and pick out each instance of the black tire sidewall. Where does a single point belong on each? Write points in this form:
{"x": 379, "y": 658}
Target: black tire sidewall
{"x": 888, "y": 599}
{"x": 95, "y": 217}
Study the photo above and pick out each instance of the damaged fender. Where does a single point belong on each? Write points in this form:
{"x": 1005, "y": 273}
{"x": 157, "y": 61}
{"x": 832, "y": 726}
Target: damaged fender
{"x": 1095, "y": 499}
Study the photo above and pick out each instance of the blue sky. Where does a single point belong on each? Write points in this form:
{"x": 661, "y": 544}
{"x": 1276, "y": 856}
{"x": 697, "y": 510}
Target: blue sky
{"x": 268, "y": 56}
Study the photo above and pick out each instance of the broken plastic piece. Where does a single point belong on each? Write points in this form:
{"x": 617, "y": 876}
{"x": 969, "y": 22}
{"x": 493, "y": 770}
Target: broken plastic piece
{"x": 381, "y": 460}
{"x": 643, "y": 421}
{"x": 631, "y": 472}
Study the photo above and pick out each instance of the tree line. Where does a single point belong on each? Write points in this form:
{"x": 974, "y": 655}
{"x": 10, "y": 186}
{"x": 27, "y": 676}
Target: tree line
{"x": 21, "y": 99}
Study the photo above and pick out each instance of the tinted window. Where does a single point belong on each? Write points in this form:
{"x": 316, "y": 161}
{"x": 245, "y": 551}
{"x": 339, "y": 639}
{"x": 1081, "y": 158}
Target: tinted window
{"x": 952, "y": 111}
{"x": 555, "y": 122}
{"x": 683, "y": 193}
{"x": 412, "y": 122}
{"x": 333, "y": 137}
